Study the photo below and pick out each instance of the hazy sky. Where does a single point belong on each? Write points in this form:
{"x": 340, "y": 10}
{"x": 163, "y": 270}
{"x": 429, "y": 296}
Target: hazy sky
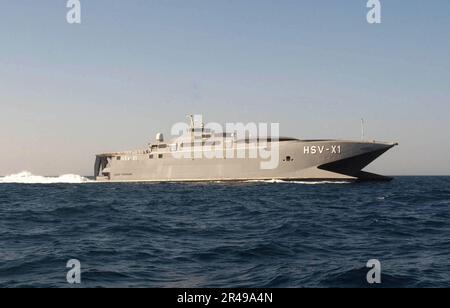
{"x": 133, "y": 68}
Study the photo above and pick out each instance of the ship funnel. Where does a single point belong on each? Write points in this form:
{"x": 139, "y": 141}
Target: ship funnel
{"x": 159, "y": 137}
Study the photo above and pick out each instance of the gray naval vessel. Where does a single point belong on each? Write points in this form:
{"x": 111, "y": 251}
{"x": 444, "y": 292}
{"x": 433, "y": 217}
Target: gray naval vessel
{"x": 201, "y": 154}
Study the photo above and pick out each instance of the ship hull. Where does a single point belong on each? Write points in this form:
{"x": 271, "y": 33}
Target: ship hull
{"x": 316, "y": 160}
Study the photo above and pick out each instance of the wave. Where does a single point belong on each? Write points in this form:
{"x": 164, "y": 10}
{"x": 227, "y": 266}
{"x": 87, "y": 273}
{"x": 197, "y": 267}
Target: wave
{"x": 26, "y": 177}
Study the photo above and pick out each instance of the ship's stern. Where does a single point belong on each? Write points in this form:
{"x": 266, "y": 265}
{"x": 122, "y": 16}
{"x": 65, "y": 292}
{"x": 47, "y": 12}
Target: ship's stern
{"x": 101, "y": 170}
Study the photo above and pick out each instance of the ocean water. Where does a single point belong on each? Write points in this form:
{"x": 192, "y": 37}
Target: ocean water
{"x": 252, "y": 234}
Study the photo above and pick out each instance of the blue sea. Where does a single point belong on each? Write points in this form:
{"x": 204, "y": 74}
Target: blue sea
{"x": 251, "y": 234}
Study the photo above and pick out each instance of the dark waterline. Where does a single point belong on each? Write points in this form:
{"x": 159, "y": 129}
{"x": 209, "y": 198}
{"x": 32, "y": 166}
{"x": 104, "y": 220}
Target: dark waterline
{"x": 226, "y": 234}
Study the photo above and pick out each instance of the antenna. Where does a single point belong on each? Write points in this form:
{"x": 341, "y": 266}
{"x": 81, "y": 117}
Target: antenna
{"x": 191, "y": 118}
{"x": 362, "y": 129}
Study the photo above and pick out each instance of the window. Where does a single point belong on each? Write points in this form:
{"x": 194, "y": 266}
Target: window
{"x": 118, "y": 157}
{"x": 160, "y": 156}
{"x": 223, "y": 135}
{"x": 151, "y": 156}
{"x": 211, "y": 143}
{"x": 288, "y": 158}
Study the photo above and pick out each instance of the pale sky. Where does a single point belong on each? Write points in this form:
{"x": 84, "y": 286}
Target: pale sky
{"x": 134, "y": 68}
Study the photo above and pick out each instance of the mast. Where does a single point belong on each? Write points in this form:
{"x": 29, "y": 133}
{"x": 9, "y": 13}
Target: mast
{"x": 191, "y": 119}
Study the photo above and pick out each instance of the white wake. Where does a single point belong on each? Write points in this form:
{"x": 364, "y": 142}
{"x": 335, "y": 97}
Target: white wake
{"x": 298, "y": 182}
{"x": 26, "y": 177}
